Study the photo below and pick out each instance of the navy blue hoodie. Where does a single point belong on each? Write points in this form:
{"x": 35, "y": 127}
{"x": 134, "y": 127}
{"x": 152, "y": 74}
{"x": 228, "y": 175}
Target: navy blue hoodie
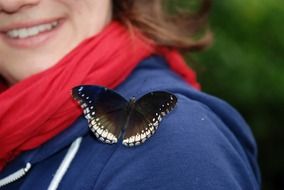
{"x": 202, "y": 144}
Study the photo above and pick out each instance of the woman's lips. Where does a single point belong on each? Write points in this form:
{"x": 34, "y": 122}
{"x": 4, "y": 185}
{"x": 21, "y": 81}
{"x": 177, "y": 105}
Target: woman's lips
{"x": 31, "y": 36}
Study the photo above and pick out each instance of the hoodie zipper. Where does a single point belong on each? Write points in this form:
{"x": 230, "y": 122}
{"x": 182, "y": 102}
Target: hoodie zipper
{"x": 15, "y": 176}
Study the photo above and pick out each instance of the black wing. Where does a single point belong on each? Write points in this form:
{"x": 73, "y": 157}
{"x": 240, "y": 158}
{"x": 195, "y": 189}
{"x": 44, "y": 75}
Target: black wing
{"x": 147, "y": 113}
{"x": 104, "y": 109}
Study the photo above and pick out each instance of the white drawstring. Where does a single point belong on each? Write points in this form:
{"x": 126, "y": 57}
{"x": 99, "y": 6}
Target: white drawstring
{"x": 72, "y": 151}
{"x": 15, "y": 176}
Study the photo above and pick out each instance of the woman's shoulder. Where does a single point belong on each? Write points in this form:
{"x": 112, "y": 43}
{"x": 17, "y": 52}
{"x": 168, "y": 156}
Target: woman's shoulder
{"x": 202, "y": 144}
{"x": 192, "y": 149}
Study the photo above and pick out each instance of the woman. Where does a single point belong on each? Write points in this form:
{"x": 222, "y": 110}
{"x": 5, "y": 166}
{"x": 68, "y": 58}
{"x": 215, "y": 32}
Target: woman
{"x": 47, "y": 47}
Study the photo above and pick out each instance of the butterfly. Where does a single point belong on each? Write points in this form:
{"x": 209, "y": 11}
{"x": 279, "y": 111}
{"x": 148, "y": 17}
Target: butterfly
{"x": 110, "y": 116}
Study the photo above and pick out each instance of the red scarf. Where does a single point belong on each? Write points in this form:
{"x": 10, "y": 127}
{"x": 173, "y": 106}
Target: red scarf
{"x": 39, "y": 107}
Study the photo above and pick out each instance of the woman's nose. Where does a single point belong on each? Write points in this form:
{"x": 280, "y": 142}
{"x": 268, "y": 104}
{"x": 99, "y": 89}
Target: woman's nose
{"x": 12, "y": 6}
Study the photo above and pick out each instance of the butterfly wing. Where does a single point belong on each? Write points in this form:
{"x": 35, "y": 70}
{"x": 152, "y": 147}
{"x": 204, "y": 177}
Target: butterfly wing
{"x": 146, "y": 115}
{"x": 137, "y": 129}
{"x": 104, "y": 109}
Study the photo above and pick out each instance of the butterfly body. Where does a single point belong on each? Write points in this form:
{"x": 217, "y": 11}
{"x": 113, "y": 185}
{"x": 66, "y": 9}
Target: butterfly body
{"x": 111, "y": 116}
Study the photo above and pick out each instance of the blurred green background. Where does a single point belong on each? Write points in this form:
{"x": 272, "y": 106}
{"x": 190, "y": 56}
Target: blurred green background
{"x": 245, "y": 66}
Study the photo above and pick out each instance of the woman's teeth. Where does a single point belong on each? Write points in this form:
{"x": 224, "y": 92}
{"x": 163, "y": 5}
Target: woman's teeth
{"x": 31, "y": 31}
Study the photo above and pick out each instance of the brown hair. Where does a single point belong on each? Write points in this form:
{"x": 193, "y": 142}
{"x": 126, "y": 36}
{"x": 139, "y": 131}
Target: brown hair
{"x": 185, "y": 31}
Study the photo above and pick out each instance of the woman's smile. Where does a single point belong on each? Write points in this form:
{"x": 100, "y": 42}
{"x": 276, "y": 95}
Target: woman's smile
{"x": 31, "y": 34}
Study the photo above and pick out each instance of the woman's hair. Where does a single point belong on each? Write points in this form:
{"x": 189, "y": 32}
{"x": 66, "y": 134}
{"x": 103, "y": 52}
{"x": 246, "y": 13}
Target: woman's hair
{"x": 182, "y": 30}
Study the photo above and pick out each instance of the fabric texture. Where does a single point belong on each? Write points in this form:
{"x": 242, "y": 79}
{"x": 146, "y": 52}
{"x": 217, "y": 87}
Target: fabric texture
{"x": 203, "y": 144}
{"x": 39, "y": 107}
